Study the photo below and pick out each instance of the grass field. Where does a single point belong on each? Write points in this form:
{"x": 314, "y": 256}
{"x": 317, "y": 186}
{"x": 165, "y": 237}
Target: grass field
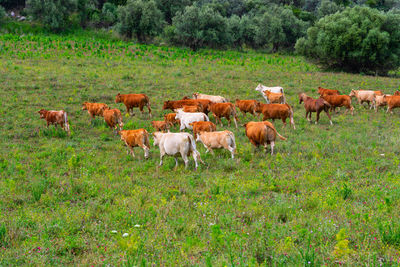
{"x": 330, "y": 195}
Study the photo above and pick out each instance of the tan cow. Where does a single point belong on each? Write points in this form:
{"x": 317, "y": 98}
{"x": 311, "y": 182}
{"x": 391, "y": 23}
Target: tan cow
{"x": 212, "y": 98}
{"x": 274, "y": 97}
{"x": 262, "y": 133}
{"x": 364, "y": 96}
{"x": 94, "y": 109}
{"x": 113, "y": 118}
{"x": 134, "y": 138}
{"x": 222, "y": 139}
{"x": 202, "y": 126}
{"x": 380, "y": 101}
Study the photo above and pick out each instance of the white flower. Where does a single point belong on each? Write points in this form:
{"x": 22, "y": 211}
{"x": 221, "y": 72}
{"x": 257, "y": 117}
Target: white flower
{"x": 382, "y": 154}
{"x": 137, "y": 225}
{"x": 125, "y": 235}
{"x": 114, "y": 231}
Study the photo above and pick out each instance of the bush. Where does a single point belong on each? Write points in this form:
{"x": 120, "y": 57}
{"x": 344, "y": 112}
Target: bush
{"x": 2, "y": 14}
{"x": 86, "y": 10}
{"x": 359, "y": 39}
{"x": 54, "y": 14}
{"x": 109, "y": 14}
{"x": 327, "y": 7}
{"x": 199, "y": 26}
{"x": 169, "y": 8}
{"x": 139, "y": 18}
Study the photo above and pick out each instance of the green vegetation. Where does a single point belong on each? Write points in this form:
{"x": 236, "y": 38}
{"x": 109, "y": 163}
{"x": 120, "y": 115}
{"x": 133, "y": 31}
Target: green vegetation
{"x": 357, "y": 39}
{"x": 328, "y": 195}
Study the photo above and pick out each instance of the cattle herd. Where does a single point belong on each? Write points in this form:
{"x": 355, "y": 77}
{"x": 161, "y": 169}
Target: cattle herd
{"x": 192, "y": 114}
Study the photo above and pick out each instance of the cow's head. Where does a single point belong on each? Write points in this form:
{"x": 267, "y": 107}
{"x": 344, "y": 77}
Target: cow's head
{"x": 118, "y": 98}
{"x": 42, "y": 113}
{"x": 353, "y": 93}
{"x": 84, "y": 105}
{"x": 259, "y": 87}
{"x": 157, "y": 137}
{"x": 301, "y": 97}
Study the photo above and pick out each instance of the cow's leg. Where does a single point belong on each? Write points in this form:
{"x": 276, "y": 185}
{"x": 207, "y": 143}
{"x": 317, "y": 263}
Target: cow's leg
{"x": 272, "y": 147}
{"x": 210, "y": 149}
{"x": 220, "y": 121}
{"x": 185, "y": 159}
{"x": 232, "y": 150}
{"x": 234, "y": 120}
{"x": 176, "y": 163}
{"x": 307, "y": 116}
{"x": 148, "y": 107}
{"x": 316, "y": 122}
{"x": 329, "y": 116}
{"x": 161, "y": 158}
{"x": 229, "y": 120}
{"x": 284, "y": 122}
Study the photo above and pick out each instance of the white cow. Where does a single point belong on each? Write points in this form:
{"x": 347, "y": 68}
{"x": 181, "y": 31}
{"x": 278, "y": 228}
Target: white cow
{"x": 277, "y": 89}
{"x": 212, "y": 98}
{"x": 173, "y": 143}
{"x": 188, "y": 117}
{"x": 222, "y": 139}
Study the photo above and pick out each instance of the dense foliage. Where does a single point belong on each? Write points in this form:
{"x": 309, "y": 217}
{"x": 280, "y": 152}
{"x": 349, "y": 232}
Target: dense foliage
{"x": 2, "y": 13}
{"x": 357, "y": 39}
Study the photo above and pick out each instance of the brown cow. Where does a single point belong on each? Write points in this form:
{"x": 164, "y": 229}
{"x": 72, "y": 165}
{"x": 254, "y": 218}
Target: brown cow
{"x": 172, "y": 105}
{"x": 224, "y": 110}
{"x": 245, "y": 106}
{"x": 161, "y": 125}
{"x": 274, "y": 97}
{"x": 94, "y": 109}
{"x": 380, "y": 101}
{"x": 113, "y": 118}
{"x": 133, "y": 138}
{"x": 276, "y": 111}
{"x": 314, "y": 105}
{"x": 192, "y": 109}
{"x": 133, "y": 101}
{"x": 204, "y": 102}
{"x": 170, "y": 118}
{"x": 262, "y": 133}
{"x": 202, "y": 126}
{"x": 339, "y": 101}
{"x": 323, "y": 91}
{"x": 392, "y": 102}
{"x": 55, "y": 117}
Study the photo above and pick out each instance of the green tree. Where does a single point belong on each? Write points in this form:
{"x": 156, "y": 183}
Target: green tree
{"x": 327, "y": 7}
{"x": 2, "y": 14}
{"x": 109, "y": 14}
{"x": 139, "y": 18}
{"x": 170, "y": 7}
{"x": 356, "y": 39}
{"x": 54, "y": 14}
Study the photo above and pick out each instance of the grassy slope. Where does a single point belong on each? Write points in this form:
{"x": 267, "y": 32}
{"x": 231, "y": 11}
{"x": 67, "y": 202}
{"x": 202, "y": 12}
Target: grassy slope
{"x": 66, "y": 194}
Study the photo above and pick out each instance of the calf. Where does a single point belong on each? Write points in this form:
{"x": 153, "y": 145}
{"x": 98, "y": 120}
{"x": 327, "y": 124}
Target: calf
{"x": 274, "y": 97}
{"x": 277, "y": 89}
{"x": 392, "y": 102}
{"x": 94, "y": 109}
{"x": 161, "y": 125}
{"x": 223, "y": 139}
{"x": 380, "y": 101}
{"x": 55, "y": 117}
{"x": 134, "y": 138}
{"x": 173, "y": 105}
{"x": 247, "y": 106}
{"x": 339, "y": 101}
{"x": 113, "y": 118}
{"x": 226, "y": 110}
{"x": 177, "y": 143}
{"x": 323, "y": 91}
{"x": 186, "y": 118}
{"x": 133, "y": 101}
{"x": 262, "y": 133}
{"x": 212, "y": 98}
{"x": 202, "y": 126}
{"x": 364, "y": 96}
{"x": 170, "y": 118}
{"x": 276, "y": 111}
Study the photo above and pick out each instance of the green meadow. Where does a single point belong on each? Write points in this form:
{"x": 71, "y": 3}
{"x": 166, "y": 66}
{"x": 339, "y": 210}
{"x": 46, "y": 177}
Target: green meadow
{"x": 329, "y": 195}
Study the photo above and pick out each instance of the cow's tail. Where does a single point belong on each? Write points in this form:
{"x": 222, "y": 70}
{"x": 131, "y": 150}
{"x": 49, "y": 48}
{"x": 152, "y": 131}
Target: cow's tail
{"x": 148, "y": 104}
{"x": 291, "y": 115}
{"x": 232, "y": 136}
{"x": 66, "y": 124}
{"x": 206, "y": 118}
{"x": 192, "y": 147}
{"x": 276, "y": 132}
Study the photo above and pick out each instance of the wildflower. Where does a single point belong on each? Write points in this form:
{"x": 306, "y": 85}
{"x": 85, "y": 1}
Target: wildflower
{"x": 125, "y": 235}
{"x": 114, "y": 231}
{"x": 137, "y": 225}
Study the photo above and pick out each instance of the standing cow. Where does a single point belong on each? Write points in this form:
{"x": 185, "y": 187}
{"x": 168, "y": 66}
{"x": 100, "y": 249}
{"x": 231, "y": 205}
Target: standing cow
{"x": 133, "y": 101}
{"x": 277, "y": 89}
{"x": 55, "y": 117}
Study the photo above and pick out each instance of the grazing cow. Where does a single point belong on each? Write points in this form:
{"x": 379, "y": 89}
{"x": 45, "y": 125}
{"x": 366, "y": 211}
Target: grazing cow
{"x": 170, "y": 118}
{"x": 202, "y": 126}
{"x": 314, "y": 105}
{"x": 55, "y": 117}
{"x": 247, "y": 106}
{"x": 323, "y": 91}
{"x": 133, "y": 101}
{"x": 192, "y": 109}
{"x": 364, "y": 96}
{"x": 274, "y": 97}
{"x": 277, "y": 89}
{"x": 392, "y": 102}
{"x": 173, "y": 144}
{"x": 187, "y": 117}
{"x": 134, "y": 138}
{"x": 205, "y": 103}
{"x": 339, "y": 101}
{"x": 397, "y": 93}
{"x": 212, "y": 98}
{"x": 380, "y": 101}
{"x": 223, "y": 139}
{"x": 94, "y": 109}
{"x": 262, "y": 133}
{"x": 113, "y": 118}
{"x": 276, "y": 111}
{"x": 226, "y": 110}
{"x": 173, "y": 105}
{"x": 161, "y": 125}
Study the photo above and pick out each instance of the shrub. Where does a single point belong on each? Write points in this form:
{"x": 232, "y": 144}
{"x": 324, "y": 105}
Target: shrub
{"x": 109, "y": 14}
{"x": 139, "y": 18}
{"x": 327, "y": 7}
{"x": 86, "y": 9}
{"x": 54, "y": 14}
{"x": 2, "y": 14}
{"x": 357, "y": 39}
{"x": 169, "y": 8}
{"x": 209, "y": 29}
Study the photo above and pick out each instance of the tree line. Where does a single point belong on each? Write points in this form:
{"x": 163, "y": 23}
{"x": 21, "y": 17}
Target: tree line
{"x": 353, "y": 35}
